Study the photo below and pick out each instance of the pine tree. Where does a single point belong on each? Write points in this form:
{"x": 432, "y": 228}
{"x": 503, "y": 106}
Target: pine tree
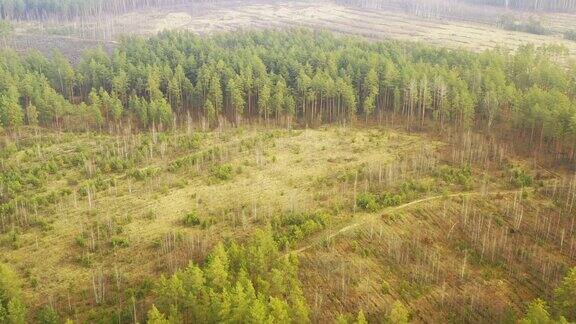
{"x": 371, "y": 88}
{"x": 278, "y": 97}
{"x": 299, "y": 311}
{"x": 175, "y": 89}
{"x": 32, "y": 115}
{"x": 16, "y": 312}
{"x": 247, "y": 76}
{"x": 289, "y": 108}
{"x": 241, "y": 302}
{"x": 217, "y": 269}
{"x": 279, "y": 312}
{"x": 537, "y": 313}
{"x": 237, "y": 97}
{"x": 116, "y": 108}
{"x": 11, "y": 114}
{"x": 258, "y": 312}
{"x": 361, "y": 318}
{"x": 163, "y": 111}
{"x": 139, "y": 107}
{"x": 565, "y": 296}
{"x": 341, "y": 319}
{"x": 61, "y": 74}
{"x": 369, "y": 105}
{"x": 209, "y": 111}
{"x": 155, "y": 317}
{"x": 120, "y": 86}
{"x": 49, "y": 316}
{"x": 349, "y": 99}
{"x": 9, "y": 285}
{"x": 264, "y": 98}
{"x": 3, "y": 314}
{"x": 398, "y": 314}
{"x": 215, "y": 96}
{"x": 153, "y": 86}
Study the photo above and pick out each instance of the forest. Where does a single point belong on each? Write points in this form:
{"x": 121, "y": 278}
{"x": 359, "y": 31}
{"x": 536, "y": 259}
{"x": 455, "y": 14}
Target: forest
{"x": 447, "y": 5}
{"x": 176, "y": 78}
{"x": 554, "y": 5}
{"x": 71, "y": 9}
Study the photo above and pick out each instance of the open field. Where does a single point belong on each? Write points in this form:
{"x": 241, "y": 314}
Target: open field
{"x": 107, "y": 218}
{"x": 377, "y": 24}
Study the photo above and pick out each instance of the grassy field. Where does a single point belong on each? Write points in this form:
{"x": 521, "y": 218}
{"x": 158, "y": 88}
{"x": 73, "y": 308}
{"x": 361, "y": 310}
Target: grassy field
{"x": 375, "y": 24}
{"x": 375, "y": 215}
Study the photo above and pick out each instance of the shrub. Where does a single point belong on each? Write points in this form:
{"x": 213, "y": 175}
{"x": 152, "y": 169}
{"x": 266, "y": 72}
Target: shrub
{"x": 48, "y": 316}
{"x": 80, "y": 241}
{"x": 206, "y": 223}
{"x": 390, "y": 199}
{"x": 190, "y": 142}
{"x": 143, "y": 174}
{"x": 367, "y": 201}
{"x": 449, "y": 174}
{"x": 85, "y": 260}
{"x": 43, "y": 225}
{"x": 222, "y": 172}
{"x": 385, "y": 287}
{"x": 291, "y": 227}
{"x": 191, "y": 219}
{"x": 118, "y": 241}
{"x": 532, "y": 26}
{"x": 520, "y": 178}
{"x": 570, "y": 35}
{"x": 150, "y": 215}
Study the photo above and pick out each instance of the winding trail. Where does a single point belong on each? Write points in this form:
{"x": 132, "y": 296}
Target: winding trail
{"x": 366, "y": 217}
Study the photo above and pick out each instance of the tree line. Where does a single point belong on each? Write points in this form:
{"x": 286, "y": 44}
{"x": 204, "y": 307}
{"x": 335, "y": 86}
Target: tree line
{"x": 537, "y": 5}
{"x": 71, "y": 9}
{"x": 297, "y": 76}
{"x": 448, "y": 6}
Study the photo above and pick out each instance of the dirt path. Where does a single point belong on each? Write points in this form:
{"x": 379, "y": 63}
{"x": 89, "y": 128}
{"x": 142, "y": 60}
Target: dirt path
{"x": 366, "y": 217}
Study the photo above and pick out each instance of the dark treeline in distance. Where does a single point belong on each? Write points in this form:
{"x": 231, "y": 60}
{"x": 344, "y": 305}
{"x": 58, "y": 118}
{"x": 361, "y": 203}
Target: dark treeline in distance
{"x": 70, "y": 9}
{"x": 449, "y": 6}
{"x": 177, "y": 78}
{"x": 538, "y": 5}
{"x": 73, "y": 9}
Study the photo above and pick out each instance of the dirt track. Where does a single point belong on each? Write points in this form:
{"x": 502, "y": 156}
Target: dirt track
{"x": 363, "y": 218}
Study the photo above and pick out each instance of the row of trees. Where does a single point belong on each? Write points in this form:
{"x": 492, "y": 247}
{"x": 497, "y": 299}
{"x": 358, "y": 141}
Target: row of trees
{"x": 311, "y": 77}
{"x": 447, "y": 6}
{"x": 71, "y": 9}
{"x": 538, "y": 5}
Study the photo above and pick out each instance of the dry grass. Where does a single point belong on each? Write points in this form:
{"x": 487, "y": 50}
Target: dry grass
{"x": 282, "y": 171}
{"x": 454, "y": 259}
{"x": 452, "y": 252}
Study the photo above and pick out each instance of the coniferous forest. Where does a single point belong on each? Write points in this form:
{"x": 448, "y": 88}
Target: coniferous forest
{"x": 285, "y": 77}
{"x": 285, "y": 175}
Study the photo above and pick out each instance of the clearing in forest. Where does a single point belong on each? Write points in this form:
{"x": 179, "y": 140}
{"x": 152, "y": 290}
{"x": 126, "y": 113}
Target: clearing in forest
{"x": 384, "y": 214}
